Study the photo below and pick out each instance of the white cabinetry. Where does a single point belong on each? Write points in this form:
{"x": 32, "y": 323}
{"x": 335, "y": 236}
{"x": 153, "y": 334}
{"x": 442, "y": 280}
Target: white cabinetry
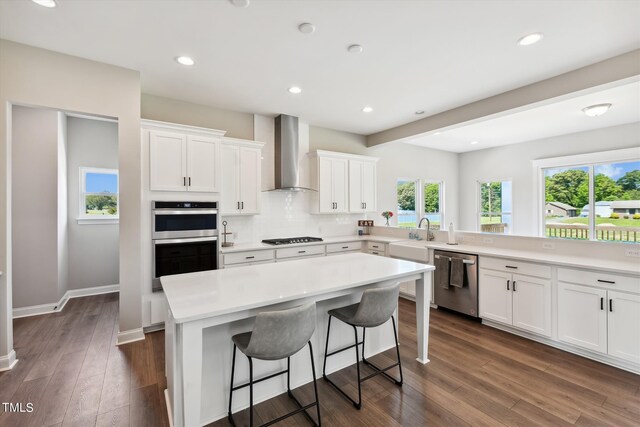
{"x": 241, "y": 176}
{"x": 362, "y": 186}
{"x": 341, "y": 189}
{"x": 600, "y": 312}
{"x": 519, "y": 300}
{"x": 183, "y": 158}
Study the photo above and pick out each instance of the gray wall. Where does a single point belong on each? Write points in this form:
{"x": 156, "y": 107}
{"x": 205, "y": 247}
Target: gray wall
{"x": 93, "y": 248}
{"x": 515, "y": 162}
{"x": 335, "y": 140}
{"x": 34, "y": 206}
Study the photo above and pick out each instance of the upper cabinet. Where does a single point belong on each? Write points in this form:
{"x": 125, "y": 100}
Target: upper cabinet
{"x": 183, "y": 158}
{"x": 344, "y": 182}
{"x": 241, "y": 176}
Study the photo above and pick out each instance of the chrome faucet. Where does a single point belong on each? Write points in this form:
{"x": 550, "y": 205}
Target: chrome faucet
{"x": 429, "y": 234}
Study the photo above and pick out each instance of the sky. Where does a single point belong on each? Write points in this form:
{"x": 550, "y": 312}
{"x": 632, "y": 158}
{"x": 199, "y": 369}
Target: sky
{"x": 101, "y": 182}
{"x": 614, "y": 171}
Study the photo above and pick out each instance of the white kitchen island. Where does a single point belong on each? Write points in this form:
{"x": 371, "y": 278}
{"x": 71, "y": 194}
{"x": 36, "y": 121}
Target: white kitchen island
{"x": 207, "y": 308}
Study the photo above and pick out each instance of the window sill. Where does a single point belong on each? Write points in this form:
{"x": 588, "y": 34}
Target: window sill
{"x": 96, "y": 221}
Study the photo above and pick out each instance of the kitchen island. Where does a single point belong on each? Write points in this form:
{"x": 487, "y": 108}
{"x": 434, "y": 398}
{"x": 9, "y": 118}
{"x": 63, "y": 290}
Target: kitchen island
{"x": 205, "y": 309}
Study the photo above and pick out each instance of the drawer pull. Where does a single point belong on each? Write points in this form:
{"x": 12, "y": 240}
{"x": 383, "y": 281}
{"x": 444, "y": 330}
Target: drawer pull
{"x": 375, "y": 253}
{"x": 249, "y": 257}
{"x": 345, "y": 247}
{"x": 610, "y": 305}
{"x": 374, "y": 246}
{"x": 302, "y": 252}
{"x": 511, "y": 266}
{"x": 611, "y": 282}
{"x": 601, "y": 303}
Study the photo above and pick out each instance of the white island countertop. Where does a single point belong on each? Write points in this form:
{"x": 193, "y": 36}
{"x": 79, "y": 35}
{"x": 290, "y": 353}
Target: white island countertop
{"x": 205, "y": 294}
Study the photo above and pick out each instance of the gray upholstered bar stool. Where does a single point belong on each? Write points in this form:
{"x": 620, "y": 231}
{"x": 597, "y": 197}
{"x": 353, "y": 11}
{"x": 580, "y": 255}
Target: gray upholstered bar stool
{"x": 375, "y": 308}
{"x": 277, "y": 335}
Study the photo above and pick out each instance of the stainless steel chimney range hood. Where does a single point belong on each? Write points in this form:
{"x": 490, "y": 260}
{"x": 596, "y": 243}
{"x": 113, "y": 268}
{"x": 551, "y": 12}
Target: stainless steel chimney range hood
{"x": 287, "y": 154}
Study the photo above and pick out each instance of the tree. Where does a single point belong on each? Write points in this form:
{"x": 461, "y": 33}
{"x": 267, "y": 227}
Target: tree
{"x": 99, "y": 202}
{"x": 570, "y": 187}
{"x": 630, "y": 180}
{"x": 432, "y": 198}
{"x": 491, "y": 197}
{"x": 606, "y": 188}
{"x": 407, "y": 196}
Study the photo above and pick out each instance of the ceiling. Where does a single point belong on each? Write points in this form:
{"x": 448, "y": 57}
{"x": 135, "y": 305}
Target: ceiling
{"x": 418, "y": 55}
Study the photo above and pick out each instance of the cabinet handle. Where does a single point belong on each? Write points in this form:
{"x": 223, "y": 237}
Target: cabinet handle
{"x": 508, "y": 282}
{"x": 241, "y": 205}
{"x": 374, "y": 246}
{"x": 189, "y": 181}
{"x": 611, "y": 282}
{"x": 365, "y": 205}
{"x": 238, "y": 205}
{"x": 302, "y": 252}
{"x": 601, "y": 303}
{"x": 610, "y": 305}
{"x": 511, "y": 266}
{"x": 375, "y": 253}
{"x": 345, "y": 247}
{"x": 184, "y": 181}
{"x": 514, "y": 286}
{"x": 249, "y": 257}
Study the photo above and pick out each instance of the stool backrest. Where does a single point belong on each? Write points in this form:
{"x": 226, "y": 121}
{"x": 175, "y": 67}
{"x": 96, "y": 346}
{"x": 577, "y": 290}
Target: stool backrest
{"x": 280, "y": 334}
{"x": 377, "y": 305}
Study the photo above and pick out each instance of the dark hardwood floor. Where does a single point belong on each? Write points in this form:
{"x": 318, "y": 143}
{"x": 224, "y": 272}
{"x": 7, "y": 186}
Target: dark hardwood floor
{"x": 75, "y": 375}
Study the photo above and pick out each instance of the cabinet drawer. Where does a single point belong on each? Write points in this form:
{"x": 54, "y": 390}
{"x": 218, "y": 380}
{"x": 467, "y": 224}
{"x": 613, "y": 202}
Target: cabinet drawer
{"x": 376, "y": 246}
{"x": 247, "y": 264}
{"x": 299, "y": 251}
{"x": 503, "y": 264}
{"x": 600, "y": 279}
{"x": 250, "y": 256}
{"x": 374, "y": 252}
{"x": 344, "y": 247}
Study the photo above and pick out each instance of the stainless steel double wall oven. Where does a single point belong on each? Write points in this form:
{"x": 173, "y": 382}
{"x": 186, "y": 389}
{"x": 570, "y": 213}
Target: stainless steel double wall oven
{"x": 185, "y": 238}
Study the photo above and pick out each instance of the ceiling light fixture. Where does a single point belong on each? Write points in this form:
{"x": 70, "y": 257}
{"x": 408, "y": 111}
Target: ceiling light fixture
{"x": 185, "y": 60}
{"x": 596, "y": 110}
{"x": 45, "y": 3}
{"x": 420, "y": 112}
{"x": 240, "y": 3}
{"x": 367, "y": 109}
{"x": 437, "y": 133}
{"x": 474, "y": 142}
{"x": 295, "y": 89}
{"x": 530, "y": 39}
{"x": 306, "y": 28}
{"x": 355, "y": 48}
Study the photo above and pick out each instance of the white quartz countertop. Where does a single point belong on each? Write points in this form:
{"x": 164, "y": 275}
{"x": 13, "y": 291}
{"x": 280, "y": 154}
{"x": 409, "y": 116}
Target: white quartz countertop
{"x": 195, "y": 296}
{"x": 551, "y": 257}
{"x": 254, "y": 246}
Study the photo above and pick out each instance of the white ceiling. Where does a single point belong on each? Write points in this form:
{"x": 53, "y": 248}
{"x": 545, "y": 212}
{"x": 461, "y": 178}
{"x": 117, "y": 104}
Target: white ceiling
{"x": 550, "y": 118}
{"x": 418, "y": 55}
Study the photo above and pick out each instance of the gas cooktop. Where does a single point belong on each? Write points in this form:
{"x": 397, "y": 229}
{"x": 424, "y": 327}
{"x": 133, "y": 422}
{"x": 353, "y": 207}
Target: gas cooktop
{"x": 291, "y": 240}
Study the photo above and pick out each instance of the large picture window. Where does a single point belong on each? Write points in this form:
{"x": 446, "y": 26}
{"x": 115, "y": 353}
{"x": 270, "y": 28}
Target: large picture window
{"x": 495, "y": 210}
{"x": 418, "y": 199}
{"x": 98, "y": 193}
{"x": 593, "y": 199}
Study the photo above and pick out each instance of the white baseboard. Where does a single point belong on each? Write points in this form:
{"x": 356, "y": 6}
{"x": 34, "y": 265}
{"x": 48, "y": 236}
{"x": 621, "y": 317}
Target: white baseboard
{"x": 131, "y": 335}
{"x": 54, "y": 307}
{"x": 8, "y": 362}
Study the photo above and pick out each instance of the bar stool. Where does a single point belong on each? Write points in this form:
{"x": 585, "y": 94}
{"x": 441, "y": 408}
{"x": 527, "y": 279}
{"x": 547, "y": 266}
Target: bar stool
{"x": 375, "y": 307}
{"x": 277, "y": 335}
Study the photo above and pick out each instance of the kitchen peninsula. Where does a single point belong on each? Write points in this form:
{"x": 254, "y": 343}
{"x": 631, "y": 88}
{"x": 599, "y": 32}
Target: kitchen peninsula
{"x": 207, "y": 308}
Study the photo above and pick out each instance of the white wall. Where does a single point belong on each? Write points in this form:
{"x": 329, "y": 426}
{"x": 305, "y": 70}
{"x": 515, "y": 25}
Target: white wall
{"x": 93, "y": 248}
{"x": 515, "y": 162}
{"x": 35, "y": 206}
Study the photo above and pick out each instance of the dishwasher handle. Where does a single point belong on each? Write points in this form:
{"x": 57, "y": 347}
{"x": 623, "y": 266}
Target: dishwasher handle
{"x": 464, "y": 261}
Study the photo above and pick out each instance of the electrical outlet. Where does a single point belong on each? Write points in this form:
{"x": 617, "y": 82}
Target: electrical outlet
{"x": 487, "y": 240}
{"x": 468, "y": 239}
{"x": 548, "y": 245}
{"x": 632, "y": 252}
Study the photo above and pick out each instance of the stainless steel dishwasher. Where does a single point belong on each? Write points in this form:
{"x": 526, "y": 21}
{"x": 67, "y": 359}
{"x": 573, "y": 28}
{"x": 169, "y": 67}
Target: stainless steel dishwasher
{"x": 463, "y": 296}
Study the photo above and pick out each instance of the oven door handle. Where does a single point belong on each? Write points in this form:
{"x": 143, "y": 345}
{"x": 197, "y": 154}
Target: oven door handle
{"x": 185, "y": 240}
{"x": 195, "y": 211}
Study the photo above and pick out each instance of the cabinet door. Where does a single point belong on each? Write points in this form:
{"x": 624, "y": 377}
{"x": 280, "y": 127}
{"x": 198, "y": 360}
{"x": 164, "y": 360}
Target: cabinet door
{"x": 582, "y": 319}
{"x": 250, "y": 178}
{"x": 202, "y": 164}
{"x": 532, "y": 304}
{"x": 340, "y": 175}
{"x": 356, "y": 202}
{"x": 624, "y": 326}
{"x": 167, "y": 161}
{"x": 369, "y": 186}
{"x": 494, "y": 297}
{"x": 325, "y": 186}
{"x": 230, "y": 179}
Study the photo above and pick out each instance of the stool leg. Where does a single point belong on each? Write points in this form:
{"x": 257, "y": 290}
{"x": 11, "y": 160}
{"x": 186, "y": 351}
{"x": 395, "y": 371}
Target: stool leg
{"x": 326, "y": 350}
{"x": 250, "y": 392}
{"x": 358, "y": 405}
{"x": 315, "y": 385}
{"x": 289, "y": 376}
{"x": 233, "y": 368}
{"x": 395, "y": 335}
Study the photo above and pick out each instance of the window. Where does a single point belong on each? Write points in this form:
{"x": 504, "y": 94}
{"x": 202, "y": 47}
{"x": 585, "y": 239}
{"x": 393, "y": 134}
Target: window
{"x": 592, "y": 196}
{"x": 418, "y": 199}
{"x": 495, "y": 210}
{"x": 98, "y": 194}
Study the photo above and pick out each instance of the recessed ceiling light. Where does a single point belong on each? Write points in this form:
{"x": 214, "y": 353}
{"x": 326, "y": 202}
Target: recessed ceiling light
{"x": 367, "y": 109}
{"x": 596, "y": 110}
{"x": 240, "y": 3}
{"x": 295, "y": 89}
{"x": 474, "y": 142}
{"x": 45, "y": 3}
{"x": 437, "y": 133}
{"x": 420, "y": 112}
{"x": 530, "y": 39}
{"x": 355, "y": 48}
{"x": 306, "y": 28}
{"x": 185, "y": 60}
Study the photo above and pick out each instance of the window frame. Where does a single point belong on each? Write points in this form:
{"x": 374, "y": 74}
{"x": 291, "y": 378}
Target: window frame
{"x": 588, "y": 160}
{"x": 83, "y": 218}
{"x": 479, "y": 211}
{"x": 419, "y": 199}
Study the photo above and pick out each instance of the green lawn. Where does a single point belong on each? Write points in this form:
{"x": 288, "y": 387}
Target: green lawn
{"x": 619, "y": 222}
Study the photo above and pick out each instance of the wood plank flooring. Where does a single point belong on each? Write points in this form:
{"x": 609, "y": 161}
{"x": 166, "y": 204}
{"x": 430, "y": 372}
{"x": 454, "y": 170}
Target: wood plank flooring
{"x": 75, "y": 375}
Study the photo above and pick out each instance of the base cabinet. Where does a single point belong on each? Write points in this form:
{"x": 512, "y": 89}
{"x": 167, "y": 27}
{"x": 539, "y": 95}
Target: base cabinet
{"x": 624, "y": 326}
